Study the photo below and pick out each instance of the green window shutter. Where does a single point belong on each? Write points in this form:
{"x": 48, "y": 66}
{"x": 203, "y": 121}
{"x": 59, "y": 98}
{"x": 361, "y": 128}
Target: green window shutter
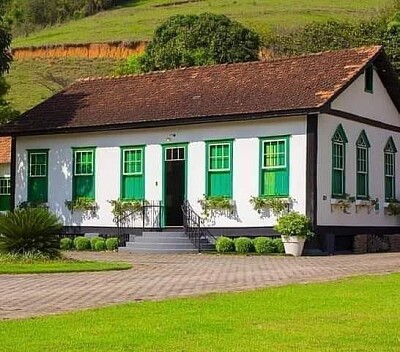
{"x": 132, "y": 179}
{"x": 5, "y": 194}
{"x": 362, "y": 166}
{"x": 339, "y": 141}
{"x": 219, "y": 168}
{"x": 369, "y": 79}
{"x": 84, "y": 173}
{"x": 274, "y": 167}
{"x": 390, "y": 169}
{"x": 38, "y": 176}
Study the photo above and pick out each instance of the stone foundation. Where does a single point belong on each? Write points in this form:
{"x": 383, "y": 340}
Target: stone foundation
{"x": 376, "y": 243}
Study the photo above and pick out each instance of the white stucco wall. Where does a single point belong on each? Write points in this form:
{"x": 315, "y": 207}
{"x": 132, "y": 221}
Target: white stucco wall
{"x": 245, "y": 165}
{"x": 377, "y": 105}
{"x": 378, "y": 137}
{"x": 5, "y": 170}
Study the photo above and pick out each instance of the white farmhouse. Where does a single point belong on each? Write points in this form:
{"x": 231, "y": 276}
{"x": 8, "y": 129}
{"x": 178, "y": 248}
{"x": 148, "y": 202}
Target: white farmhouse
{"x": 320, "y": 131}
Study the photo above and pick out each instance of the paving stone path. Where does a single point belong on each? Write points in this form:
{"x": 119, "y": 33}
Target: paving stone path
{"x": 162, "y": 276}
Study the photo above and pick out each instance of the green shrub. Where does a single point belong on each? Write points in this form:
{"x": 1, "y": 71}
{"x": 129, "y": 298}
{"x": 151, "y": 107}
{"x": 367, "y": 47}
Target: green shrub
{"x": 100, "y": 245}
{"x": 278, "y": 245}
{"x": 264, "y": 245}
{"x": 66, "y": 244}
{"x": 112, "y": 243}
{"x": 294, "y": 224}
{"x": 224, "y": 245}
{"x": 93, "y": 242}
{"x": 30, "y": 230}
{"x": 82, "y": 243}
{"x": 243, "y": 245}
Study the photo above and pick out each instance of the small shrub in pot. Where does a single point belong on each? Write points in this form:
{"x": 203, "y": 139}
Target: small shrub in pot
{"x": 224, "y": 245}
{"x": 243, "y": 245}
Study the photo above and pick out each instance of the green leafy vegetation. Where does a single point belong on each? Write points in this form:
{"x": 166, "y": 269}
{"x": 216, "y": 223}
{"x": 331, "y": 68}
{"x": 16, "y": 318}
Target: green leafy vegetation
{"x": 30, "y": 230}
{"x": 197, "y": 40}
{"x": 357, "y": 314}
{"x": 24, "y": 16}
{"x": 294, "y": 224}
{"x": 136, "y": 20}
{"x": 243, "y": 245}
{"x": 82, "y": 243}
{"x": 32, "y": 263}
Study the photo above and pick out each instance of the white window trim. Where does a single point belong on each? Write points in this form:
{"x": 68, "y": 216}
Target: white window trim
{"x": 30, "y": 164}
{"x": 8, "y": 186}
{"x": 284, "y": 153}
{"x": 75, "y": 160}
{"x": 171, "y": 148}
{"x": 141, "y": 162}
{"x": 209, "y": 157}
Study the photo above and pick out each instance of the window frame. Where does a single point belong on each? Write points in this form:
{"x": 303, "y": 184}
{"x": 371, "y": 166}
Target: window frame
{"x": 390, "y": 149}
{"x": 7, "y": 187}
{"x": 31, "y": 178}
{"x": 342, "y": 142}
{"x": 209, "y": 171}
{"x": 263, "y": 168}
{"x": 131, "y": 149}
{"x": 75, "y": 175}
{"x": 123, "y": 174}
{"x": 362, "y": 143}
{"x": 369, "y": 79}
{"x": 224, "y": 143}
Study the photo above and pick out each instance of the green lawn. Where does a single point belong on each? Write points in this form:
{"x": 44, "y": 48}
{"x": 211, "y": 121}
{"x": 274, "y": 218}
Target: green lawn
{"x": 358, "y": 314}
{"x": 30, "y": 82}
{"x": 57, "y": 266}
{"x": 137, "y": 19}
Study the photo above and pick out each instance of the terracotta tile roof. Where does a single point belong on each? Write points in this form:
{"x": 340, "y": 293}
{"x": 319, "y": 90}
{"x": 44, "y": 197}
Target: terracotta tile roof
{"x": 5, "y": 150}
{"x": 219, "y": 91}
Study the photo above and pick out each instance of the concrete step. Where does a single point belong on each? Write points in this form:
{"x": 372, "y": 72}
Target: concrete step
{"x": 156, "y": 251}
{"x": 163, "y": 234}
{"x": 138, "y": 245}
{"x": 160, "y": 239}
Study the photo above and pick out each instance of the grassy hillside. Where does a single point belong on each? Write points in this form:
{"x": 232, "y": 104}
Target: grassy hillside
{"x": 32, "y": 80}
{"x": 137, "y": 19}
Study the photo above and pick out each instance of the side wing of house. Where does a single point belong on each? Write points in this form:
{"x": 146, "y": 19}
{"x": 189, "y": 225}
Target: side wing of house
{"x": 358, "y": 163}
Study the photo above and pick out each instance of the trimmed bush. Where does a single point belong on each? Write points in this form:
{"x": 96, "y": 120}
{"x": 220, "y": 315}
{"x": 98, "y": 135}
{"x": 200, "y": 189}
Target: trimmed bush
{"x": 278, "y": 245}
{"x": 66, "y": 244}
{"x": 264, "y": 245}
{"x": 82, "y": 243}
{"x": 93, "y": 242}
{"x": 224, "y": 245}
{"x": 30, "y": 230}
{"x": 100, "y": 245}
{"x": 112, "y": 244}
{"x": 243, "y": 245}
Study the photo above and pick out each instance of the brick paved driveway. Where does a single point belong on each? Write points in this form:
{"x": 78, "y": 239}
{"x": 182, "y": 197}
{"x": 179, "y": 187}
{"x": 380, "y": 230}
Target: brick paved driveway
{"x": 161, "y": 276}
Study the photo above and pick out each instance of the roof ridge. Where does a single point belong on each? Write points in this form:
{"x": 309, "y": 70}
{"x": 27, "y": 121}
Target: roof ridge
{"x": 256, "y": 62}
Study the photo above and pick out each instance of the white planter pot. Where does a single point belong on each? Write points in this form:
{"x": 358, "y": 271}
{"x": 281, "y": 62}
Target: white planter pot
{"x": 293, "y": 245}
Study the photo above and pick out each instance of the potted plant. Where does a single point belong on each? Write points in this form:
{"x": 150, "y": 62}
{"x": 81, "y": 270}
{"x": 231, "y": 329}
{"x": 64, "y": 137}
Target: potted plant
{"x": 294, "y": 228}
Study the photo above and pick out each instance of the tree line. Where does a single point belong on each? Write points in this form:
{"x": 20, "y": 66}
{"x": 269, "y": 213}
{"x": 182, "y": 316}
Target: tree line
{"x": 23, "y": 16}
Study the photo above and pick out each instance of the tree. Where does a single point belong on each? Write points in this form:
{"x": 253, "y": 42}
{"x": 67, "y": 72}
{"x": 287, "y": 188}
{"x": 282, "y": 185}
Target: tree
{"x": 6, "y": 112}
{"x": 195, "y": 40}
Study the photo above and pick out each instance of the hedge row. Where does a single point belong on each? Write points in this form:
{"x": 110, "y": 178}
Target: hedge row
{"x": 85, "y": 244}
{"x": 262, "y": 245}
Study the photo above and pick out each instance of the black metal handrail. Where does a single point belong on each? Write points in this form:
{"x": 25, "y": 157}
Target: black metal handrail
{"x": 194, "y": 227}
{"x": 150, "y": 213}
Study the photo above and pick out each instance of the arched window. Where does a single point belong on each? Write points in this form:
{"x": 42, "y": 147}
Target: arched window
{"x": 362, "y": 166}
{"x": 390, "y": 169}
{"x": 339, "y": 141}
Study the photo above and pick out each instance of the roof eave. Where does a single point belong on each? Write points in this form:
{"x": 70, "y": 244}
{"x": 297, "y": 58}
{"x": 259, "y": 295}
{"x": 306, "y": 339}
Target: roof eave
{"x": 179, "y": 121}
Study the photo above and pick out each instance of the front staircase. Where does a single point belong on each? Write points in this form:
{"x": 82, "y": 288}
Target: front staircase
{"x": 163, "y": 242}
